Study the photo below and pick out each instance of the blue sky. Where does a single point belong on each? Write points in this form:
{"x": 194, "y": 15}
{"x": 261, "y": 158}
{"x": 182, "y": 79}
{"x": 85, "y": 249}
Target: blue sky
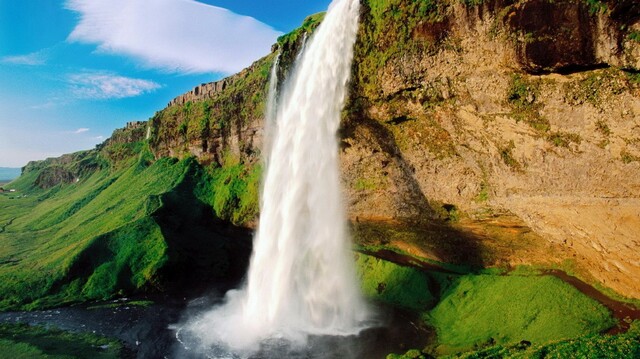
{"x": 72, "y": 71}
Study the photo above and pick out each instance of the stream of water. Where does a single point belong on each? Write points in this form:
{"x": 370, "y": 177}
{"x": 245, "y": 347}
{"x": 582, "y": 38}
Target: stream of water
{"x": 301, "y": 280}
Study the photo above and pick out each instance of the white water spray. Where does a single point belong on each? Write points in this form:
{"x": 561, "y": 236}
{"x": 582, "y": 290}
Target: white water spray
{"x": 301, "y": 279}
{"x": 271, "y": 111}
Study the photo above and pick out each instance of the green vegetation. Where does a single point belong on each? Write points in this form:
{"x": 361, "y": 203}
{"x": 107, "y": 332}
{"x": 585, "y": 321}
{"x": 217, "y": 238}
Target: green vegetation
{"x": 483, "y": 195}
{"x": 366, "y": 184}
{"x": 445, "y": 211}
{"x": 620, "y": 346}
{"x": 563, "y": 139}
{"x": 506, "y": 153}
{"x": 522, "y": 95}
{"x": 393, "y": 284}
{"x": 603, "y": 128}
{"x": 633, "y": 78}
{"x": 596, "y": 6}
{"x": 394, "y": 30}
{"x": 232, "y": 190}
{"x": 194, "y": 124}
{"x": 309, "y": 24}
{"x": 23, "y": 341}
{"x": 634, "y": 35}
{"x": 596, "y": 86}
{"x": 480, "y": 310}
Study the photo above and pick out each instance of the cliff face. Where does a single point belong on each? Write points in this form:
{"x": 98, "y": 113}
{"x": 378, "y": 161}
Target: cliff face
{"x": 490, "y": 133}
{"x": 519, "y": 121}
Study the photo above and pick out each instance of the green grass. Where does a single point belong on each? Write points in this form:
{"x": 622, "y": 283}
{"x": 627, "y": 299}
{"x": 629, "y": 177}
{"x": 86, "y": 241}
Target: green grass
{"x": 478, "y": 310}
{"x": 620, "y": 346}
{"x": 23, "y": 341}
{"x": 482, "y": 310}
{"x": 232, "y": 190}
{"x": 390, "y": 283}
{"x": 309, "y": 24}
{"x": 506, "y": 153}
{"x": 86, "y": 240}
{"x": 117, "y": 231}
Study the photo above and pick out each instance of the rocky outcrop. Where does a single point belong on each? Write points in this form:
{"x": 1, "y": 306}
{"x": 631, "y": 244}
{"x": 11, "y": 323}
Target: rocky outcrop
{"x": 200, "y": 92}
{"x": 569, "y": 36}
{"x": 135, "y": 131}
{"x": 54, "y": 175}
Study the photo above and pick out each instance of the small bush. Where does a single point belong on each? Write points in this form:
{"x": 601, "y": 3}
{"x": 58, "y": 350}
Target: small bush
{"x": 563, "y": 139}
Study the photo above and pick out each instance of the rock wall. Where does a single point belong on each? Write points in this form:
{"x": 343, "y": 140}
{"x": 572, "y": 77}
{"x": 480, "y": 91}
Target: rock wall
{"x": 199, "y": 93}
{"x": 480, "y": 113}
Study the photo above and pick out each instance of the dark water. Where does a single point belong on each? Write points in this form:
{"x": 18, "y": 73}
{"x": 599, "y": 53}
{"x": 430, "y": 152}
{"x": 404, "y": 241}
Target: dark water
{"x": 151, "y": 332}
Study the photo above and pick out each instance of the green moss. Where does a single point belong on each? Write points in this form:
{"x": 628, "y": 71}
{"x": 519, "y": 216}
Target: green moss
{"x": 521, "y": 95}
{"x": 620, "y": 346}
{"x": 233, "y": 190}
{"x": 366, "y": 184}
{"x": 603, "y": 128}
{"x": 480, "y": 310}
{"x": 23, "y": 341}
{"x": 506, "y": 153}
{"x": 309, "y": 24}
{"x": 394, "y": 30}
{"x": 563, "y": 139}
{"x": 595, "y": 87}
{"x": 390, "y": 283}
{"x": 634, "y": 36}
{"x": 627, "y": 157}
{"x": 633, "y": 78}
{"x": 411, "y": 354}
{"x": 109, "y": 234}
{"x": 596, "y": 6}
{"x": 483, "y": 195}
{"x": 446, "y": 212}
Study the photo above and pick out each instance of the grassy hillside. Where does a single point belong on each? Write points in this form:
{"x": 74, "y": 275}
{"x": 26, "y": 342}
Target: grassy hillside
{"x": 124, "y": 226}
{"x": 469, "y": 310}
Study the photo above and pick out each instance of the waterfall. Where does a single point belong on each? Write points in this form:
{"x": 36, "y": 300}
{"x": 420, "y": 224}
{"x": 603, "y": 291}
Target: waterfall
{"x": 301, "y": 279}
{"x": 271, "y": 110}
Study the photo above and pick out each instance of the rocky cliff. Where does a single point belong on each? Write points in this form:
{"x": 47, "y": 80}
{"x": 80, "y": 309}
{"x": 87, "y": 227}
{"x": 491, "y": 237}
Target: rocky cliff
{"x": 487, "y": 132}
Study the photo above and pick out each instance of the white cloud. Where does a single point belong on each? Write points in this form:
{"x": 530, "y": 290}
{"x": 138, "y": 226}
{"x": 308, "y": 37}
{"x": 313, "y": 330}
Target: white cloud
{"x": 104, "y": 85}
{"x": 175, "y": 35}
{"x": 99, "y": 138}
{"x": 81, "y": 130}
{"x": 33, "y": 59}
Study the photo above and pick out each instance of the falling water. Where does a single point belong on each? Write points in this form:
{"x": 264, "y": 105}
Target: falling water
{"x": 271, "y": 111}
{"x": 301, "y": 280}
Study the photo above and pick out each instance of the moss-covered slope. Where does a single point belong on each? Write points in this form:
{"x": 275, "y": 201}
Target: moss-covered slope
{"x": 124, "y": 224}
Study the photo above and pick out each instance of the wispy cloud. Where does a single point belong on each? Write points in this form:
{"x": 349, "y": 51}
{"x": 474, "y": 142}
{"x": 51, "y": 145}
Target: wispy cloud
{"x": 33, "y": 59}
{"x": 175, "y": 35}
{"x": 81, "y": 130}
{"x": 104, "y": 85}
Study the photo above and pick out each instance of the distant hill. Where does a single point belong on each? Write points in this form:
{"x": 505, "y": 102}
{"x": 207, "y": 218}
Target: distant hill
{"x": 8, "y": 174}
